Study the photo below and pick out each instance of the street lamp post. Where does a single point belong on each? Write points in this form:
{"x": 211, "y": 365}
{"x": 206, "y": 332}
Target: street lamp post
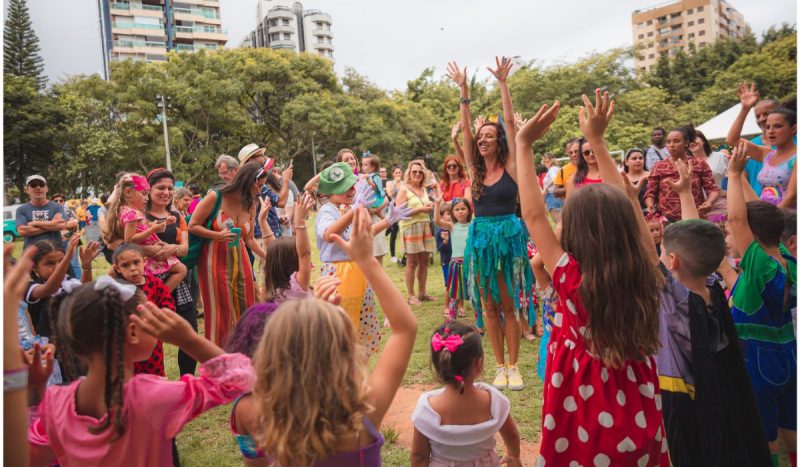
{"x": 163, "y": 102}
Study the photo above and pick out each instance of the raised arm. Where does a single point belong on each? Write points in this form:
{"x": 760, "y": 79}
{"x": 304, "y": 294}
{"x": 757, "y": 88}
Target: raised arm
{"x": 684, "y": 189}
{"x": 302, "y": 243}
{"x": 454, "y": 139}
{"x": 393, "y": 360}
{"x": 504, "y": 65}
{"x": 531, "y": 199}
{"x": 737, "y": 208}
{"x": 459, "y": 76}
{"x": 51, "y": 286}
{"x": 748, "y": 97}
{"x": 437, "y": 218}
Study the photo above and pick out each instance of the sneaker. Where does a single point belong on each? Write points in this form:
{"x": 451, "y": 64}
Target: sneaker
{"x": 514, "y": 379}
{"x": 501, "y": 378}
{"x": 394, "y": 259}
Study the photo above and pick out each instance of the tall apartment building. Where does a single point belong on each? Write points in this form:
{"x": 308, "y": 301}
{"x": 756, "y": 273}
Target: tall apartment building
{"x": 148, "y": 29}
{"x": 667, "y": 28}
{"x": 282, "y": 24}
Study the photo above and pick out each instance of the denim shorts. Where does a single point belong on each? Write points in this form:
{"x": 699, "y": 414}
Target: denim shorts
{"x": 553, "y": 203}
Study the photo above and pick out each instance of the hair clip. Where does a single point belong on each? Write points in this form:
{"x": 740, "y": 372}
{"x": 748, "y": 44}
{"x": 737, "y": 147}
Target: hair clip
{"x": 459, "y": 378}
{"x": 70, "y": 284}
{"x": 126, "y": 291}
{"x": 451, "y": 343}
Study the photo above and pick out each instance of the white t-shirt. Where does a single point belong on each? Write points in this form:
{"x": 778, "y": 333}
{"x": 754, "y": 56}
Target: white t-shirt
{"x": 552, "y": 173}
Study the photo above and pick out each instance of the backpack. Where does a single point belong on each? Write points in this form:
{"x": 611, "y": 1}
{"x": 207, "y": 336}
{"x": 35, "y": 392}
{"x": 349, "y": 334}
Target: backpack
{"x": 196, "y": 243}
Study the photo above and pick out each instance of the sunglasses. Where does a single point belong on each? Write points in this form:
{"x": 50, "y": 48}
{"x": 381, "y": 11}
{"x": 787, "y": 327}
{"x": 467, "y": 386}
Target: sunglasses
{"x": 58, "y": 201}
{"x": 417, "y": 172}
{"x": 37, "y": 185}
{"x": 452, "y": 166}
{"x": 588, "y": 152}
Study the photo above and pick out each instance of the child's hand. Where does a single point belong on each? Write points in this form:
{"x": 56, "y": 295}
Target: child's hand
{"x": 162, "y": 323}
{"x": 445, "y": 236}
{"x": 364, "y": 196}
{"x": 684, "y": 177}
{"x": 738, "y": 159}
{"x": 38, "y": 374}
{"x": 74, "y": 240}
{"x": 594, "y": 119}
{"x": 359, "y": 247}
{"x": 631, "y": 189}
{"x": 171, "y": 220}
{"x": 157, "y": 227}
{"x": 398, "y": 213}
{"x": 325, "y": 289}
{"x": 538, "y": 125}
{"x": 88, "y": 254}
{"x": 302, "y": 208}
{"x": 455, "y": 130}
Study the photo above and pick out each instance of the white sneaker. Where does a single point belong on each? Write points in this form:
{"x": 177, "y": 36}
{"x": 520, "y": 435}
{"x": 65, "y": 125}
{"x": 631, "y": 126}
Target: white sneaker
{"x": 501, "y": 378}
{"x": 394, "y": 259}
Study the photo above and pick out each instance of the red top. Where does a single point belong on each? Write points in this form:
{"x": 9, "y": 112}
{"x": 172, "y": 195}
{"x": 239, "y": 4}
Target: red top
{"x": 593, "y": 414}
{"x": 454, "y": 189}
{"x": 667, "y": 201}
{"x": 156, "y": 292}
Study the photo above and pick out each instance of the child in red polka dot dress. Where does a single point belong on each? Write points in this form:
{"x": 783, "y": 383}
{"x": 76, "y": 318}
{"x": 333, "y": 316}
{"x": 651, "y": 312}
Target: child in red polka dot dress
{"x": 129, "y": 265}
{"x": 602, "y": 403}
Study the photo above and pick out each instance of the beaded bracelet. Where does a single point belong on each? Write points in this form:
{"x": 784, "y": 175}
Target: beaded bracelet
{"x": 14, "y": 380}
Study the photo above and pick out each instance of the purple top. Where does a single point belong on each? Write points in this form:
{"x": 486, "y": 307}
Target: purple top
{"x": 368, "y": 456}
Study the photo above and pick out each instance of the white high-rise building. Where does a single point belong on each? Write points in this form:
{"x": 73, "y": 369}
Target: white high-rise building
{"x": 284, "y": 24}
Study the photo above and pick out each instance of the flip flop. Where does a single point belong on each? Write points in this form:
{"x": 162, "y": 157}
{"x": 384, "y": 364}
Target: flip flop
{"x": 427, "y": 298}
{"x": 412, "y": 300}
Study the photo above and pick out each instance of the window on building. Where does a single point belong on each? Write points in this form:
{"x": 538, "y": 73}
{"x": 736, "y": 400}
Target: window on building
{"x": 691, "y": 35}
{"x": 701, "y": 21}
{"x": 640, "y": 25}
{"x": 650, "y": 34}
{"x": 690, "y": 11}
{"x": 651, "y": 56}
{"x": 320, "y": 39}
{"x": 675, "y": 15}
{"x": 276, "y": 36}
{"x": 699, "y": 9}
{"x": 641, "y": 36}
{"x": 649, "y": 22}
{"x": 285, "y": 22}
{"x": 702, "y": 33}
{"x": 287, "y": 36}
{"x": 702, "y": 44}
{"x": 690, "y": 24}
{"x": 273, "y": 22}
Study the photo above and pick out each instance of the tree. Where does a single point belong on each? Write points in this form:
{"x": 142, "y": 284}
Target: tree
{"x": 21, "y": 46}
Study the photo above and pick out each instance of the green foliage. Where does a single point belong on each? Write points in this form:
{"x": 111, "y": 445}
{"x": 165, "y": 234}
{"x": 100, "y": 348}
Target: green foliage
{"x": 21, "y": 46}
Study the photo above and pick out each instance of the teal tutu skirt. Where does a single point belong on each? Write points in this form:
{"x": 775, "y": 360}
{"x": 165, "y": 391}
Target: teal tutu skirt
{"x": 497, "y": 248}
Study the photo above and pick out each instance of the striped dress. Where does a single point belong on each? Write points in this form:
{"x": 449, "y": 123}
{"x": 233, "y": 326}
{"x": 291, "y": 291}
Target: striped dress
{"x": 226, "y": 283}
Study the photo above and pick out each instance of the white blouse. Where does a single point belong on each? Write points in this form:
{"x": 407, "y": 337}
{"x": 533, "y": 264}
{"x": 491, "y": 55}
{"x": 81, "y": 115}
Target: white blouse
{"x": 460, "y": 443}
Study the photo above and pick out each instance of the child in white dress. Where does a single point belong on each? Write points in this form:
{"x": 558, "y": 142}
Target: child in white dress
{"x": 444, "y": 433}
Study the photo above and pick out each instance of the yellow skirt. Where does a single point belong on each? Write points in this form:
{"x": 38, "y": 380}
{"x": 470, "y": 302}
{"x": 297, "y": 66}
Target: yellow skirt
{"x": 358, "y": 301}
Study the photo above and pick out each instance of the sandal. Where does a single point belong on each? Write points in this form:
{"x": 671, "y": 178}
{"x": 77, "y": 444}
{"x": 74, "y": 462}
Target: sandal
{"x": 462, "y": 314}
{"x": 427, "y": 298}
{"x": 412, "y": 300}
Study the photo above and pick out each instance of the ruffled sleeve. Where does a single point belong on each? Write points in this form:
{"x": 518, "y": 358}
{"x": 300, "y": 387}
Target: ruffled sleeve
{"x": 222, "y": 379}
{"x": 41, "y": 451}
{"x": 128, "y": 214}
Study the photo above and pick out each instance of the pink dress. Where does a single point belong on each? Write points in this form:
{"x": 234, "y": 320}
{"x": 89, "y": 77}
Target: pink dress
{"x": 156, "y": 411}
{"x": 593, "y": 414}
{"x": 152, "y": 266}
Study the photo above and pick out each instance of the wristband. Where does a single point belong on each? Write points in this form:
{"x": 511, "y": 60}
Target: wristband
{"x": 14, "y": 380}
{"x": 300, "y": 227}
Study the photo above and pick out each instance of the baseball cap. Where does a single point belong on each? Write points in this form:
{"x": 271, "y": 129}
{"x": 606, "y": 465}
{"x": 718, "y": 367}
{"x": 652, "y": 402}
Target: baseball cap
{"x": 249, "y": 151}
{"x": 35, "y": 177}
{"x": 337, "y": 179}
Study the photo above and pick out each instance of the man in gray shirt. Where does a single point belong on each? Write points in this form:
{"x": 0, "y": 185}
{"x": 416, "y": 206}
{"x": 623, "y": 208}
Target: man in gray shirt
{"x": 41, "y": 219}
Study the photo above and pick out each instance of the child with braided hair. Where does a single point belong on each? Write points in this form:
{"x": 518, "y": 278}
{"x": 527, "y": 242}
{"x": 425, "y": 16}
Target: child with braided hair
{"x": 444, "y": 433}
{"x": 113, "y": 417}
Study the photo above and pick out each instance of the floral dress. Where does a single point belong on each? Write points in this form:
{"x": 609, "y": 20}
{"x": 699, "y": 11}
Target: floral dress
{"x": 593, "y": 414}
{"x": 152, "y": 266}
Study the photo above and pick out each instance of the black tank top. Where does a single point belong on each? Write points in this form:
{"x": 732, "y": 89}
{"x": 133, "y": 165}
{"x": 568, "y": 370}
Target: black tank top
{"x": 498, "y": 199}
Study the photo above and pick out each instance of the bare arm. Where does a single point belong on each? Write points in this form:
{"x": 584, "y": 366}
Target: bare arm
{"x": 748, "y": 97}
{"x": 437, "y": 219}
{"x": 511, "y": 439}
{"x": 420, "y": 450}
{"x": 729, "y": 275}
{"x": 313, "y": 183}
{"x": 200, "y": 217}
{"x": 543, "y": 279}
{"x": 131, "y": 235}
{"x": 302, "y": 242}
{"x": 171, "y": 328}
{"x": 339, "y": 226}
{"x": 737, "y": 209}
{"x": 393, "y": 360}
{"x": 53, "y": 283}
{"x": 531, "y": 199}
{"x": 283, "y": 195}
{"x": 683, "y": 188}
{"x": 251, "y": 242}
{"x": 460, "y": 77}
{"x": 501, "y": 74}
{"x": 790, "y": 198}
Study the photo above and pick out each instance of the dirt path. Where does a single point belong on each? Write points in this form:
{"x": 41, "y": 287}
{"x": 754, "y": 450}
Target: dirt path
{"x": 399, "y": 417}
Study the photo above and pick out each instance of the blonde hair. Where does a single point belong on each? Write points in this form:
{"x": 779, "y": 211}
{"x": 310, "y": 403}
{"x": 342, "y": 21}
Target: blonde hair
{"x": 312, "y": 382}
{"x": 112, "y": 230}
{"x": 407, "y": 174}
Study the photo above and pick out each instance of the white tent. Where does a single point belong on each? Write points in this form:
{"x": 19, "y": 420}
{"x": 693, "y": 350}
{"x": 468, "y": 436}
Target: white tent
{"x": 717, "y": 128}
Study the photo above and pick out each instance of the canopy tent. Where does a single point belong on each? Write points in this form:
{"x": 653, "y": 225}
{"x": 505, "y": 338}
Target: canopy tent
{"x": 717, "y": 128}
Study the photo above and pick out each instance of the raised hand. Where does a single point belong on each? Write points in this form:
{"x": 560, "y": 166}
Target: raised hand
{"x": 480, "y": 120}
{"x": 38, "y": 374}
{"x": 631, "y": 189}
{"x": 748, "y": 95}
{"x": 364, "y": 196}
{"x": 162, "y": 323}
{"x": 738, "y": 159}
{"x": 396, "y": 214}
{"x": 684, "y": 177}
{"x": 455, "y": 130}
{"x": 359, "y": 247}
{"x": 539, "y": 124}
{"x": 458, "y": 75}
{"x": 503, "y": 67}
{"x": 594, "y": 119}
{"x": 325, "y": 289}
{"x": 288, "y": 173}
{"x": 302, "y": 208}
{"x": 74, "y": 240}
{"x": 519, "y": 121}
{"x": 88, "y": 254}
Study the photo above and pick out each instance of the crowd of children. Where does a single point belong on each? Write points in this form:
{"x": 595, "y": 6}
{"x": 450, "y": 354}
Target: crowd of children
{"x": 668, "y": 338}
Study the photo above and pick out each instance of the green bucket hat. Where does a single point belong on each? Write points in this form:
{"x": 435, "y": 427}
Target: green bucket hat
{"x": 337, "y": 179}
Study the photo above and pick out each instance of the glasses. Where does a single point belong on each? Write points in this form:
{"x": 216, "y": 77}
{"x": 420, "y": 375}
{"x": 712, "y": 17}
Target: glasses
{"x": 417, "y": 172}
{"x": 587, "y": 152}
{"x": 59, "y": 201}
{"x": 37, "y": 185}
{"x": 226, "y": 172}
{"x": 452, "y": 166}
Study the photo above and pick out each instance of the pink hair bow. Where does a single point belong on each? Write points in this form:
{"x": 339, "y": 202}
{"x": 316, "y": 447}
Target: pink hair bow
{"x": 451, "y": 343}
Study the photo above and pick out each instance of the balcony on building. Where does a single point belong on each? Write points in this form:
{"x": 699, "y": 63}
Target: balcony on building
{"x": 280, "y": 27}
{"x": 138, "y": 9}
{"x": 140, "y": 46}
{"x": 203, "y": 32}
{"x": 197, "y": 15}
{"x": 317, "y": 15}
{"x": 283, "y": 44}
{"x": 281, "y": 12}
{"x": 127, "y": 28}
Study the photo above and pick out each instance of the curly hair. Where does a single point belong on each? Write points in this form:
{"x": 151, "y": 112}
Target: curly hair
{"x": 312, "y": 382}
{"x": 480, "y": 164}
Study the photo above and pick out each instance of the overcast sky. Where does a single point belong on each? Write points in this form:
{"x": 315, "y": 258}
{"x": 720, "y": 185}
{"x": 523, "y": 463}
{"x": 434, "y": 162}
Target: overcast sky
{"x": 392, "y": 42}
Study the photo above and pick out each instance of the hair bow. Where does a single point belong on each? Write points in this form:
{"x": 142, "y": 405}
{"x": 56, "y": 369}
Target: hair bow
{"x": 451, "y": 343}
{"x": 366, "y": 153}
{"x": 140, "y": 183}
{"x": 70, "y": 284}
{"x": 126, "y": 291}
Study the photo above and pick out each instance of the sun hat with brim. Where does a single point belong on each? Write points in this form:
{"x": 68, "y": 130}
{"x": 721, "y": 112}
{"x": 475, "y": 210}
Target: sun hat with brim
{"x": 250, "y": 151}
{"x": 35, "y": 177}
{"x": 337, "y": 179}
